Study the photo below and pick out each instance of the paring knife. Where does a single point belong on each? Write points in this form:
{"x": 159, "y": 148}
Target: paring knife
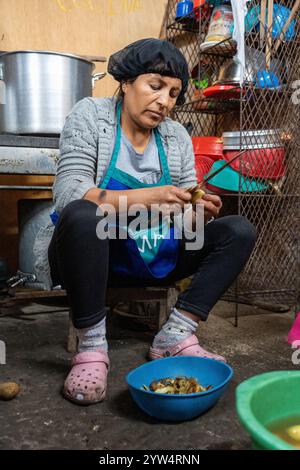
{"x": 197, "y": 191}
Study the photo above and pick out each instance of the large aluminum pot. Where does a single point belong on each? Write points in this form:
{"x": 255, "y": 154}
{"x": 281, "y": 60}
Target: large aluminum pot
{"x": 246, "y": 140}
{"x": 39, "y": 88}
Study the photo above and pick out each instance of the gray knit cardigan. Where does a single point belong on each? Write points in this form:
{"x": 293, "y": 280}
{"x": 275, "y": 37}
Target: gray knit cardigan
{"x": 86, "y": 145}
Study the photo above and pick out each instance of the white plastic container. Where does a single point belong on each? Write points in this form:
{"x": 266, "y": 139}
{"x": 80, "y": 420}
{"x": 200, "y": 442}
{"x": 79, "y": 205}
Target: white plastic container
{"x": 220, "y": 26}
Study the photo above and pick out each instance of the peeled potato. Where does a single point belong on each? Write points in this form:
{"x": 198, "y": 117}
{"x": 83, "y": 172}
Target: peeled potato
{"x": 294, "y": 432}
{"x": 9, "y": 390}
{"x": 198, "y": 194}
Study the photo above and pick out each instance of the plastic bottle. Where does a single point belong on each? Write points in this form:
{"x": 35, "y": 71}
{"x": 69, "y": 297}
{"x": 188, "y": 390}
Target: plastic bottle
{"x": 220, "y": 24}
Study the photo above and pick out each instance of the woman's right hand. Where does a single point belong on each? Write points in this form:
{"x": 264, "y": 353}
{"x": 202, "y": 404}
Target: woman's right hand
{"x": 167, "y": 195}
{"x": 169, "y": 198}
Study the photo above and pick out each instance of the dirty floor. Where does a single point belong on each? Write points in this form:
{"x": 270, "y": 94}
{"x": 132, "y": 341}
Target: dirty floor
{"x": 40, "y": 418}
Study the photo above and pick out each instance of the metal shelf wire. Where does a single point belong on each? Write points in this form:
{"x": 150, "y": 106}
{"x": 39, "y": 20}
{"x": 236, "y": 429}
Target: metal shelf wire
{"x": 272, "y": 274}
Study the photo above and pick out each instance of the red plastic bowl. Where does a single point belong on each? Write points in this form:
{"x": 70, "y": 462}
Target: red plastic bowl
{"x": 206, "y": 9}
{"x": 217, "y": 190}
{"x": 266, "y": 163}
{"x": 223, "y": 92}
{"x": 202, "y": 166}
{"x": 208, "y": 147}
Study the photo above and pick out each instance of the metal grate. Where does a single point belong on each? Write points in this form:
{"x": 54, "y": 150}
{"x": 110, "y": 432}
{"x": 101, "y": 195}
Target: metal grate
{"x": 269, "y": 174}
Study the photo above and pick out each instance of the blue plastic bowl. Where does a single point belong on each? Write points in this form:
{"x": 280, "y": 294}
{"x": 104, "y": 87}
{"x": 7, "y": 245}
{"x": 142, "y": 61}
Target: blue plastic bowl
{"x": 179, "y": 407}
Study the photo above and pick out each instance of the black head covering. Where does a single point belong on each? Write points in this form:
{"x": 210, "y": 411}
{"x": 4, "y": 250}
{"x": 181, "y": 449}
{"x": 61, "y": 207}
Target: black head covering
{"x": 150, "y": 56}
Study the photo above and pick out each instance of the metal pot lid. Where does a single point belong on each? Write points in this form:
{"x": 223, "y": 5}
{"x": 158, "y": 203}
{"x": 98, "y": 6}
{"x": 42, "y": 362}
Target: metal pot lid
{"x": 252, "y": 139}
{"x": 252, "y": 146}
{"x": 263, "y": 132}
{"x": 64, "y": 54}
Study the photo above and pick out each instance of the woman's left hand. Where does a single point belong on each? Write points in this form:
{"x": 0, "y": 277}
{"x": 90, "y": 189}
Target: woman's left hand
{"x": 212, "y": 205}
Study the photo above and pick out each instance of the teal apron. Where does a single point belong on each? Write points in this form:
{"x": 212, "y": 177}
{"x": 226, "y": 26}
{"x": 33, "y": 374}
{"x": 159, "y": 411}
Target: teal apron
{"x": 148, "y": 253}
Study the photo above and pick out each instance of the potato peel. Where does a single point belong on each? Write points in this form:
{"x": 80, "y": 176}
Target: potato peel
{"x": 177, "y": 386}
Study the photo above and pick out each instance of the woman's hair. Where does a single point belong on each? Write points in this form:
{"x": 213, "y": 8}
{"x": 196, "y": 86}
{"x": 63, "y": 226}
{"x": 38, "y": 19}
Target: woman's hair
{"x": 119, "y": 93}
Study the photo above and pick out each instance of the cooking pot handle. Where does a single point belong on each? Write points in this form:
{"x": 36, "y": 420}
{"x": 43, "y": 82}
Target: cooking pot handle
{"x": 97, "y": 76}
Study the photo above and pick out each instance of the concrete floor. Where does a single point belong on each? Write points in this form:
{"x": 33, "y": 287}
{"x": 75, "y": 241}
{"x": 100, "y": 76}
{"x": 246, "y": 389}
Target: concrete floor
{"x": 40, "y": 418}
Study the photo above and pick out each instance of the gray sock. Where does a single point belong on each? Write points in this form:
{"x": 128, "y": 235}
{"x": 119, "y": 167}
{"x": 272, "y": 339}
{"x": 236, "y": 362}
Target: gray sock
{"x": 176, "y": 329}
{"x": 92, "y": 338}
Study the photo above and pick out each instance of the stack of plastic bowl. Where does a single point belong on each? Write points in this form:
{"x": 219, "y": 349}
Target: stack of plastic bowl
{"x": 264, "y": 157}
{"x": 207, "y": 150}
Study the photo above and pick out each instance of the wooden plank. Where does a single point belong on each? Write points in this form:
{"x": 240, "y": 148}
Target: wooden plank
{"x": 30, "y": 294}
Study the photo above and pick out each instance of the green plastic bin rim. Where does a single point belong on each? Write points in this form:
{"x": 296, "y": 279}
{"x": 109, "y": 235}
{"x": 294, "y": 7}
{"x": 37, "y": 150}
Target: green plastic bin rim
{"x": 244, "y": 395}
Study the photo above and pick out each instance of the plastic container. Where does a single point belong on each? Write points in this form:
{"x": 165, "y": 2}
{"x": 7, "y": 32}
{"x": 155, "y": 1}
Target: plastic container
{"x": 280, "y": 17}
{"x": 215, "y": 190}
{"x": 203, "y": 166}
{"x": 220, "y": 26}
{"x": 264, "y": 156}
{"x": 184, "y": 8}
{"x": 267, "y": 163}
{"x": 199, "y": 3}
{"x": 205, "y": 9}
{"x": 211, "y": 147}
{"x": 264, "y": 399}
{"x": 179, "y": 407}
{"x": 232, "y": 181}
{"x": 207, "y": 150}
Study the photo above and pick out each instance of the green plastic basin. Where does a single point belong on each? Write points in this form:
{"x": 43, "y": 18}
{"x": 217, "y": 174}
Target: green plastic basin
{"x": 266, "y": 398}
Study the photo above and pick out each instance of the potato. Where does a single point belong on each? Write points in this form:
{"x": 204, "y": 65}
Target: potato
{"x": 9, "y": 390}
{"x": 294, "y": 432}
{"x": 198, "y": 194}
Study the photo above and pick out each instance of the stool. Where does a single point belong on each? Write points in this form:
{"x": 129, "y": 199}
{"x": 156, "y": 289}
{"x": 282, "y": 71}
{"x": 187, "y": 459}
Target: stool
{"x": 165, "y": 296}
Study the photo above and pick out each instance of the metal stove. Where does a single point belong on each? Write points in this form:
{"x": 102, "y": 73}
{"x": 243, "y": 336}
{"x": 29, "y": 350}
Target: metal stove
{"x": 28, "y": 155}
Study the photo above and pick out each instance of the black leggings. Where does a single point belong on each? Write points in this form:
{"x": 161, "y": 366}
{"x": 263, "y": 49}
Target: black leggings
{"x": 79, "y": 262}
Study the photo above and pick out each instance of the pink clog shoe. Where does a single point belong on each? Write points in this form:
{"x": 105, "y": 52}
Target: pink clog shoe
{"x": 188, "y": 347}
{"x": 87, "y": 380}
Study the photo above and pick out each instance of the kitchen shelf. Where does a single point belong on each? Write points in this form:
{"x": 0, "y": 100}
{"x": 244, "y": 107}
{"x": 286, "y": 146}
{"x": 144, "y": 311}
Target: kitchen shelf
{"x": 209, "y": 106}
{"x": 275, "y": 259}
{"x": 225, "y": 48}
{"x": 186, "y": 23}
